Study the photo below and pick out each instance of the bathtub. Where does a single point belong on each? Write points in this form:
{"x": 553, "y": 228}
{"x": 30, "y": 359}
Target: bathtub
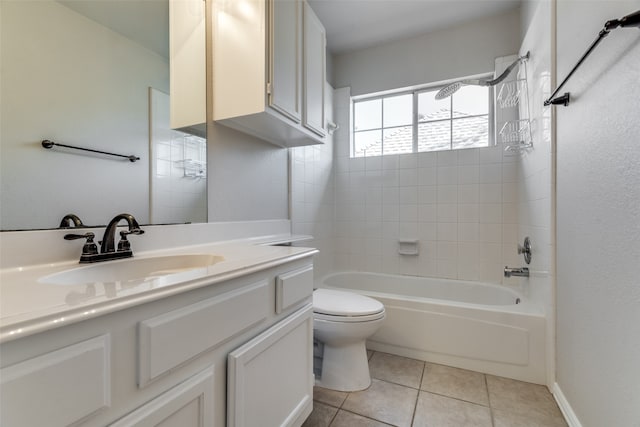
{"x": 477, "y": 326}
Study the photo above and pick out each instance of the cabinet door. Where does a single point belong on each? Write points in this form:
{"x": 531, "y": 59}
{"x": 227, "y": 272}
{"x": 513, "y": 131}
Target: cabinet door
{"x": 189, "y": 404}
{"x": 313, "y": 72}
{"x": 270, "y": 378}
{"x": 283, "y": 88}
{"x": 58, "y": 388}
{"x": 187, "y": 62}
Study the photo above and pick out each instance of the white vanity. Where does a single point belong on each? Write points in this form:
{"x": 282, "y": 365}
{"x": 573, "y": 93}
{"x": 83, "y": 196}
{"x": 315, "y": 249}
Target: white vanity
{"x": 224, "y": 343}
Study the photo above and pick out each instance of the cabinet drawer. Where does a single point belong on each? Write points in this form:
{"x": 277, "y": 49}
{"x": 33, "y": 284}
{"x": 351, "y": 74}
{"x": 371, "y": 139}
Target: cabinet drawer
{"x": 169, "y": 340}
{"x": 57, "y": 388}
{"x": 292, "y": 287}
{"x": 189, "y": 404}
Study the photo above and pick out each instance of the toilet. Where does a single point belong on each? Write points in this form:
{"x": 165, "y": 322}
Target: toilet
{"x": 342, "y": 321}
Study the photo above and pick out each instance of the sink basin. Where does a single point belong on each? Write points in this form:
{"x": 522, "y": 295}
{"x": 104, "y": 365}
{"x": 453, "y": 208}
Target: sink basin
{"x": 132, "y": 269}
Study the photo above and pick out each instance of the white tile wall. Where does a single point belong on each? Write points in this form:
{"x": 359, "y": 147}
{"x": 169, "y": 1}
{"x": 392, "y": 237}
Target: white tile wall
{"x": 178, "y": 193}
{"x": 312, "y": 177}
{"x": 531, "y": 189}
{"x": 460, "y": 205}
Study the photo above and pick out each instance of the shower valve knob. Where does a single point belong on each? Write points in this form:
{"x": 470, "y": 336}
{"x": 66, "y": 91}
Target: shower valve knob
{"x": 525, "y": 250}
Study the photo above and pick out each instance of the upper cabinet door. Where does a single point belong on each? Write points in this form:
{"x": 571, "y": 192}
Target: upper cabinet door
{"x": 314, "y": 72}
{"x": 188, "y": 63}
{"x": 284, "y": 84}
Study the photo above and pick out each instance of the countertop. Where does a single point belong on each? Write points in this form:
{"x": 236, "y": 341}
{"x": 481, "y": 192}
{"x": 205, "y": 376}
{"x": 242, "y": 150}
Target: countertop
{"x": 28, "y": 306}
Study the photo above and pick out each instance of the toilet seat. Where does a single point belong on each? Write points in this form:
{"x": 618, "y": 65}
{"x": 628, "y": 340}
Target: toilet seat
{"x": 340, "y": 306}
{"x": 347, "y": 319}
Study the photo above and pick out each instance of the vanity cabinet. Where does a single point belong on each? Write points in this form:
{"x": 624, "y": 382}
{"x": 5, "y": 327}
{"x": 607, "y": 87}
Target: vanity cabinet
{"x": 165, "y": 362}
{"x": 269, "y": 70}
{"x": 268, "y": 387}
{"x": 189, "y": 404}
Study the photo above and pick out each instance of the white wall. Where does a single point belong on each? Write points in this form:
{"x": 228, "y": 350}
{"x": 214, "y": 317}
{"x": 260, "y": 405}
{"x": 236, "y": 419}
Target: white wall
{"x": 598, "y": 217}
{"x": 247, "y": 177}
{"x": 100, "y": 103}
{"x": 535, "y": 176}
{"x": 458, "y": 51}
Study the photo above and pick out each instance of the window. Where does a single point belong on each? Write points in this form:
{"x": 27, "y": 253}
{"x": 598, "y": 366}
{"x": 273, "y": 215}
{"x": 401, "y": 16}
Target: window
{"x": 411, "y": 122}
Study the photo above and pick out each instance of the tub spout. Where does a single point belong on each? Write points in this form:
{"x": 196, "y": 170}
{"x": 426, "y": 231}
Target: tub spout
{"x": 518, "y": 272}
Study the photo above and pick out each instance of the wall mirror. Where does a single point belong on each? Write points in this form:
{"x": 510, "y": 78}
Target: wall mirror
{"x": 93, "y": 74}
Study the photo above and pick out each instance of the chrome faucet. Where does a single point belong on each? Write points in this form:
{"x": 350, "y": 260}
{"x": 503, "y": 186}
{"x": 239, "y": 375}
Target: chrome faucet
{"x": 517, "y": 272}
{"x": 108, "y": 249}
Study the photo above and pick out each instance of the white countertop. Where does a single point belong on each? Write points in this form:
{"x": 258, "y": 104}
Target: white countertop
{"x": 28, "y": 307}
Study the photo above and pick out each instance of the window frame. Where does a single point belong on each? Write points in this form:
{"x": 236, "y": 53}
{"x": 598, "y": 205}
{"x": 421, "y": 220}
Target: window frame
{"x": 415, "y": 92}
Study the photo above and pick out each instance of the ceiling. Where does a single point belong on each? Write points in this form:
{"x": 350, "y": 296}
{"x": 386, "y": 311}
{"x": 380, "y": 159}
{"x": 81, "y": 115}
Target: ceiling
{"x": 357, "y": 24}
{"x": 144, "y": 21}
{"x": 350, "y": 24}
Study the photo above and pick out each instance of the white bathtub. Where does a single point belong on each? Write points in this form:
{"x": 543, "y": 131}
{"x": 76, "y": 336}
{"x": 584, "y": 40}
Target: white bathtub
{"x": 469, "y": 325}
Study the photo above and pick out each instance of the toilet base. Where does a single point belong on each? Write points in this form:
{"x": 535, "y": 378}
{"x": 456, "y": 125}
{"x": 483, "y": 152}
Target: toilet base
{"x": 345, "y": 367}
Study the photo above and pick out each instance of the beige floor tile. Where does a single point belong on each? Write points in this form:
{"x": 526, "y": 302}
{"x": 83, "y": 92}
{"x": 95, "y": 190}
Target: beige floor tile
{"x": 396, "y": 369}
{"x": 330, "y": 397}
{"x": 455, "y": 382}
{"x": 439, "y": 411}
{"x": 383, "y": 401}
{"x": 517, "y": 397}
{"x": 508, "y": 419}
{"x": 321, "y": 416}
{"x": 348, "y": 419}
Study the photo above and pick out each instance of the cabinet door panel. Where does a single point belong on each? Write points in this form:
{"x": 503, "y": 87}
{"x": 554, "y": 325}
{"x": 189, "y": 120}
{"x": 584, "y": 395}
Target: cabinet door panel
{"x": 314, "y": 72}
{"x": 189, "y": 404}
{"x": 284, "y": 93}
{"x": 270, "y": 378}
{"x": 292, "y": 287}
{"x": 57, "y": 388}
{"x": 171, "y": 339}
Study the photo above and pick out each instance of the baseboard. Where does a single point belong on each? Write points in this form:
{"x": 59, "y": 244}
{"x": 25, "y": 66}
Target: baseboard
{"x": 565, "y": 407}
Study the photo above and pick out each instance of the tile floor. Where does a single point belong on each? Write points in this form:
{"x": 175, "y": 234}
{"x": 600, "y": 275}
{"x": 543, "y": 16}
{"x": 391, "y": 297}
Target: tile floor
{"x": 407, "y": 392}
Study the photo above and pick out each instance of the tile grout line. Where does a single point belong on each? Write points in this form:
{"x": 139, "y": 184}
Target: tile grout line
{"x": 486, "y": 385}
{"x": 364, "y": 416}
{"x": 433, "y": 392}
{"x": 333, "y": 418}
{"x": 415, "y": 406}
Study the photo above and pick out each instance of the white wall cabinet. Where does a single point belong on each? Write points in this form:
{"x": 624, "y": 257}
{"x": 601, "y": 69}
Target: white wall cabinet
{"x": 187, "y": 52}
{"x": 164, "y": 363}
{"x": 314, "y": 72}
{"x": 267, "y": 67}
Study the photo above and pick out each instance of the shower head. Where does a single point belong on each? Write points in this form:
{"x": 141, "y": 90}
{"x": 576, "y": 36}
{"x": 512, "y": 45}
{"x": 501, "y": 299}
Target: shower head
{"x": 452, "y": 88}
{"x": 448, "y": 90}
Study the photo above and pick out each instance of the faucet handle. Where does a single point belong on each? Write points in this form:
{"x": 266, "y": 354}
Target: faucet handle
{"x": 89, "y": 248}
{"x": 137, "y": 231}
{"x": 525, "y": 250}
{"x": 124, "y": 244}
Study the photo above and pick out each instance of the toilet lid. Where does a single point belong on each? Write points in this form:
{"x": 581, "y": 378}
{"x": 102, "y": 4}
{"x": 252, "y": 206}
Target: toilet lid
{"x": 340, "y": 303}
